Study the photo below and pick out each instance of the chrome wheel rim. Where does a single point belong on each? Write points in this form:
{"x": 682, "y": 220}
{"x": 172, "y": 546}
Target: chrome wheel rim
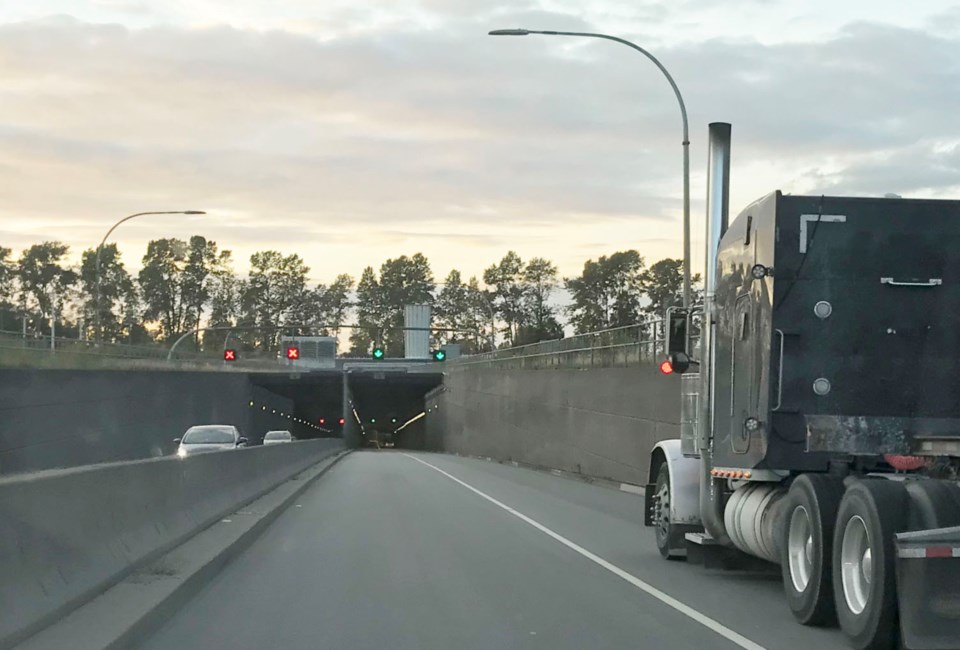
{"x": 800, "y": 548}
{"x": 661, "y": 513}
{"x": 856, "y": 559}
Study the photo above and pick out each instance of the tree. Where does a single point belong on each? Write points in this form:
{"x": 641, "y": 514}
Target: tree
{"x": 162, "y": 286}
{"x": 453, "y": 307}
{"x": 403, "y": 281}
{"x": 607, "y": 293}
{"x": 369, "y": 312}
{"x": 224, "y": 290}
{"x": 7, "y": 276}
{"x": 381, "y": 301}
{"x": 509, "y": 291}
{"x": 539, "y": 322}
{"x": 203, "y": 264}
{"x": 662, "y": 284}
{"x": 117, "y": 290}
{"x": 44, "y": 280}
{"x": 333, "y": 301}
{"x": 273, "y": 294}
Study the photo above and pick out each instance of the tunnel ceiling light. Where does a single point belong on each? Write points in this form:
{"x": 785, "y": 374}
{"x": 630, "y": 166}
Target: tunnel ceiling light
{"x": 263, "y": 408}
{"x": 250, "y": 403}
{"x": 410, "y": 421}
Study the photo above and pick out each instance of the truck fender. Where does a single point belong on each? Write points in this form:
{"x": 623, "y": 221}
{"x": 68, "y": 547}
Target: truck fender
{"x": 684, "y": 482}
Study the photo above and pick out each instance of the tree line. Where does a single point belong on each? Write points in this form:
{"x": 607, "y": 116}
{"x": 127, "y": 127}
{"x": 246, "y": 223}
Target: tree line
{"x": 186, "y": 285}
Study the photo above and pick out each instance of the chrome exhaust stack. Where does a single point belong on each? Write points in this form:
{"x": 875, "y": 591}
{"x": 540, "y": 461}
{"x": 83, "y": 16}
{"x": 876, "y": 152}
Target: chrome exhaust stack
{"x": 718, "y": 217}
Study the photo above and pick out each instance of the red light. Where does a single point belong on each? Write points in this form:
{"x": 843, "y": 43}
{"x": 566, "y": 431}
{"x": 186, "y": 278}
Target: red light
{"x": 323, "y": 421}
{"x": 293, "y": 353}
{"x": 666, "y": 367}
{"x": 341, "y": 421}
{"x": 229, "y": 355}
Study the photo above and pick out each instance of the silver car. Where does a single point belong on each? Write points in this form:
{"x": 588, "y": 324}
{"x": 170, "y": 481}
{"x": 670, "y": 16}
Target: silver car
{"x": 276, "y": 437}
{"x": 209, "y": 437}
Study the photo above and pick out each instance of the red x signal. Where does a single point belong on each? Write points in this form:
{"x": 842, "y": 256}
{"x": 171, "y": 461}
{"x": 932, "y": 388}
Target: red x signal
{"x": 293, "y": 353}
{"x": 229, "y": 355}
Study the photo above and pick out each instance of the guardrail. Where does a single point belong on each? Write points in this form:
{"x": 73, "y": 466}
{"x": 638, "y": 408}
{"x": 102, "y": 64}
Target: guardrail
{"x": 629, "y": 345}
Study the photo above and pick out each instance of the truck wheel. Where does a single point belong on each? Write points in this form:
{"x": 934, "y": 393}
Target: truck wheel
{"x": 871, "y": 512}
{"x": 670, "y": 537}
{"x": 806, "y": 547}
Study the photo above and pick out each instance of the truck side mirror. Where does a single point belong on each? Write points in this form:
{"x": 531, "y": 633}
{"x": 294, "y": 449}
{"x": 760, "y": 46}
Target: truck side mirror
{"x": 678, "y": 330}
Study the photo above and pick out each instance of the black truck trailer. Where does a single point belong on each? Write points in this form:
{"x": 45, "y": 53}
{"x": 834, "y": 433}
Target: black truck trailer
{"x": 820, "y": 424}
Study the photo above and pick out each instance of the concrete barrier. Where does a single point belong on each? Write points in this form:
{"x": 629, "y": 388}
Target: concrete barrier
{"x": 67, "y": 535}
{"x": 599, "y": 422}
{"x": 66, "y": 418}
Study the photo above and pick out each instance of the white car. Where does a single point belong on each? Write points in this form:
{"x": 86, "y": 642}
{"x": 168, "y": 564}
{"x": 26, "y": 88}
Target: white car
{"x": 209, "y": 437}
{"x": 276, "y": 437}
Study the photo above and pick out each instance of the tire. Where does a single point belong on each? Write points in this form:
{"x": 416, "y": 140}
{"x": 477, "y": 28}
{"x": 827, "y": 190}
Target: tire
{"x": 670, "y": 537}
{"x": 806, "y": 548}
{"x": 871, "y": 512}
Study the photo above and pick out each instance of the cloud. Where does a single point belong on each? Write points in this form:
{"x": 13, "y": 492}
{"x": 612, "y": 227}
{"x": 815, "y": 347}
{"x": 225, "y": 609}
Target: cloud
{"x": 443, "y": 139}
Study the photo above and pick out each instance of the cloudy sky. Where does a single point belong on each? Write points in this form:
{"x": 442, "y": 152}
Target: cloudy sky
{"x": 352, "y": 131}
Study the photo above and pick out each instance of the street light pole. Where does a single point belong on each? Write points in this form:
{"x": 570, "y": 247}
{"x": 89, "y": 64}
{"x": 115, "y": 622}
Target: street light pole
{"x": 686, "y": 133}
{"x": 100, "y": 252}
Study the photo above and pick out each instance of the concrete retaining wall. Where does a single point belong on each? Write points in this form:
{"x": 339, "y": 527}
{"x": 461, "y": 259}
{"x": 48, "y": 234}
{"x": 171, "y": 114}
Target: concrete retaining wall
{"x": 600, "y": 422}
{"x": 65, "y": 418}
{"x": 66, "y": 535}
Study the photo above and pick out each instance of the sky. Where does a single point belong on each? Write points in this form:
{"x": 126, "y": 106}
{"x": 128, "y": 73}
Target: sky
{"x": 350, "y": 132}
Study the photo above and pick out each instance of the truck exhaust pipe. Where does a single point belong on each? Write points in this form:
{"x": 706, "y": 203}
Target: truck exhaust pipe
{"x": 718, "y": 216}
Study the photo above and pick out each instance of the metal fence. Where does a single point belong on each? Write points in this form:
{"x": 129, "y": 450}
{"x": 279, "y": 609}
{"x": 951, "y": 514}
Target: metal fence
{"x": 630, "y": 345}
{"x": 17, "y": 350}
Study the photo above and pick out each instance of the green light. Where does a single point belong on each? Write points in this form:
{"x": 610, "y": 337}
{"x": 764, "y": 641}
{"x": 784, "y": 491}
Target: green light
{"x": 393, "y": 420}
{"x": 378, "y": 353}
{"x": 373, "y": 420}
{"x": 439, "y": 355}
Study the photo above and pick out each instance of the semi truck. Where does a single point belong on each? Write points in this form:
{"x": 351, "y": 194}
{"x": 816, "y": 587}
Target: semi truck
{"x": 820, "y": 409}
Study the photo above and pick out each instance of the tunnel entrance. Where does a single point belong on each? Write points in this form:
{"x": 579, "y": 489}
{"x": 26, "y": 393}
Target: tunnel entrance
{"x": 316, "y": 397}
{"x": 367, "y": 407}
{"x": 385, "y": 408}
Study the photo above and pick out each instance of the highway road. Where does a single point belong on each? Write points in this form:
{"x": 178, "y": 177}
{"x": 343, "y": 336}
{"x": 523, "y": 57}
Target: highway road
{"x": 417, "y": 551}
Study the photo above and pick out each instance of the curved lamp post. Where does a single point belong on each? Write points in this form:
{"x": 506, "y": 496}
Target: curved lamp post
{"x": 686, "y": 132}
{"x": 100, "y": 252}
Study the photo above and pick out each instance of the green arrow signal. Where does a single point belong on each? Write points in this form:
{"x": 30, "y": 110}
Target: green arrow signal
{"x": 377, "y": 353}
{"x": 439, "y": 355}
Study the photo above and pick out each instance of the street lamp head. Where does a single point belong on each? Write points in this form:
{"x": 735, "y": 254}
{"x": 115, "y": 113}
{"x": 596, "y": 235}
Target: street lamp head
{"x": 509, "y": 32}
{"x": 194, "y": 212}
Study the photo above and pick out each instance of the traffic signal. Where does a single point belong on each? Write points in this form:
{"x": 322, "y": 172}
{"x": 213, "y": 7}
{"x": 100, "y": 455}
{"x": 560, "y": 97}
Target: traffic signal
{"x": 229, "y": 355}
{"x": 341, "y": 421}
{"x": 323, "y": 421}
{"x": 293, "y": 353}
{"x": 439, "y": 355}
{"x": 377, "y": 354}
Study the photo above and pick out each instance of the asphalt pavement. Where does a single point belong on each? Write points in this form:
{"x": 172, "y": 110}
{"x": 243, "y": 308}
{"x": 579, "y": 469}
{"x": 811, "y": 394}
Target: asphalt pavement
{"x": 422, "y": 551}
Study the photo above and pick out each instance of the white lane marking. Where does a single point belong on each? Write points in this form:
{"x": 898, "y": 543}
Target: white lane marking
{"x": 629, "y": 487}
{"x": 666, "y": 599}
